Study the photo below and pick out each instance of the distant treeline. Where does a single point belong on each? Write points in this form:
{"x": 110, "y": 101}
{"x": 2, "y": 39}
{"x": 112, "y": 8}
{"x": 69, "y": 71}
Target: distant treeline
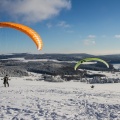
{"x": 54, "y": 68}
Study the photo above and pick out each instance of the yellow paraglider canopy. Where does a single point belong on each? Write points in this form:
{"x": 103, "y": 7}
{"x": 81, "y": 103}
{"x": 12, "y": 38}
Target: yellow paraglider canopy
{"x": 90, "y": 59}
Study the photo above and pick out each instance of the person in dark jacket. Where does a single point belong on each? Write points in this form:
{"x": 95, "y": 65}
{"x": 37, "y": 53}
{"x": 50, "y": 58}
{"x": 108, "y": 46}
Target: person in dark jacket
{"x": 6, "y": 81}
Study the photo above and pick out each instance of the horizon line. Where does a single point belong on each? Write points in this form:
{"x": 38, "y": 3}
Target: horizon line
{"x": 58, "y": 53}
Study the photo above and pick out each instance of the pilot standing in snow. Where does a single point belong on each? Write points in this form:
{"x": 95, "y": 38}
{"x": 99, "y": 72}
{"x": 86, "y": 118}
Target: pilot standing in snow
{"x": 6, "y": 81}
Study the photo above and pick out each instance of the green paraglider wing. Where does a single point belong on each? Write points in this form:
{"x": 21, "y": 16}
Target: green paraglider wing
{"x": 90, "y": 59}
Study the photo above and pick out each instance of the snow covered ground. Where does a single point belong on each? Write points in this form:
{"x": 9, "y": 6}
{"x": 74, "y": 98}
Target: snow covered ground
{"x": 38, "y": 60}
{"x": 28, "y": 99}
{"x": 22, "y": 59}
{"x": 116, "y": 66}
{"x": 40, "y": 100}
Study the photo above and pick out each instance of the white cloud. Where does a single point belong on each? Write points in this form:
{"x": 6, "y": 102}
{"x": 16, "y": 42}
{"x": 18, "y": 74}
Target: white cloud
{"x": 91, "y": 36}
{"x": 49, "y": 25}
{"x": 117, "y": 36}
{"x": 89, "y": 42}
{"x": 33, "y": 10}
{"x": 63, "y": 24}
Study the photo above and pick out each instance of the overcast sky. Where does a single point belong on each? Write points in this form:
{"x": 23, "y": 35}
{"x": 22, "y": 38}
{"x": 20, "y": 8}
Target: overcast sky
{"x": 65, "y": 26}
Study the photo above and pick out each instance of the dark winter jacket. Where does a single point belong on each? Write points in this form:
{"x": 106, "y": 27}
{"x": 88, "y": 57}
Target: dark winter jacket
{"x": 5, "y": 79}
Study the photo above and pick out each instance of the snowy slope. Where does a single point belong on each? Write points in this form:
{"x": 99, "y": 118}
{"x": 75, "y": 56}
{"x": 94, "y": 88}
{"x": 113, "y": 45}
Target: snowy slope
{"x": 22, "y": 59}
{"x": 39, "y": 100}
{"x": 116, "y": 66}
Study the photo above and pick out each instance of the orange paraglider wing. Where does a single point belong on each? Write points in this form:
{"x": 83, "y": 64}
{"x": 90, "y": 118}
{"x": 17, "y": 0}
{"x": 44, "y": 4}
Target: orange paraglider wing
{"x": 27, "y": 30}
